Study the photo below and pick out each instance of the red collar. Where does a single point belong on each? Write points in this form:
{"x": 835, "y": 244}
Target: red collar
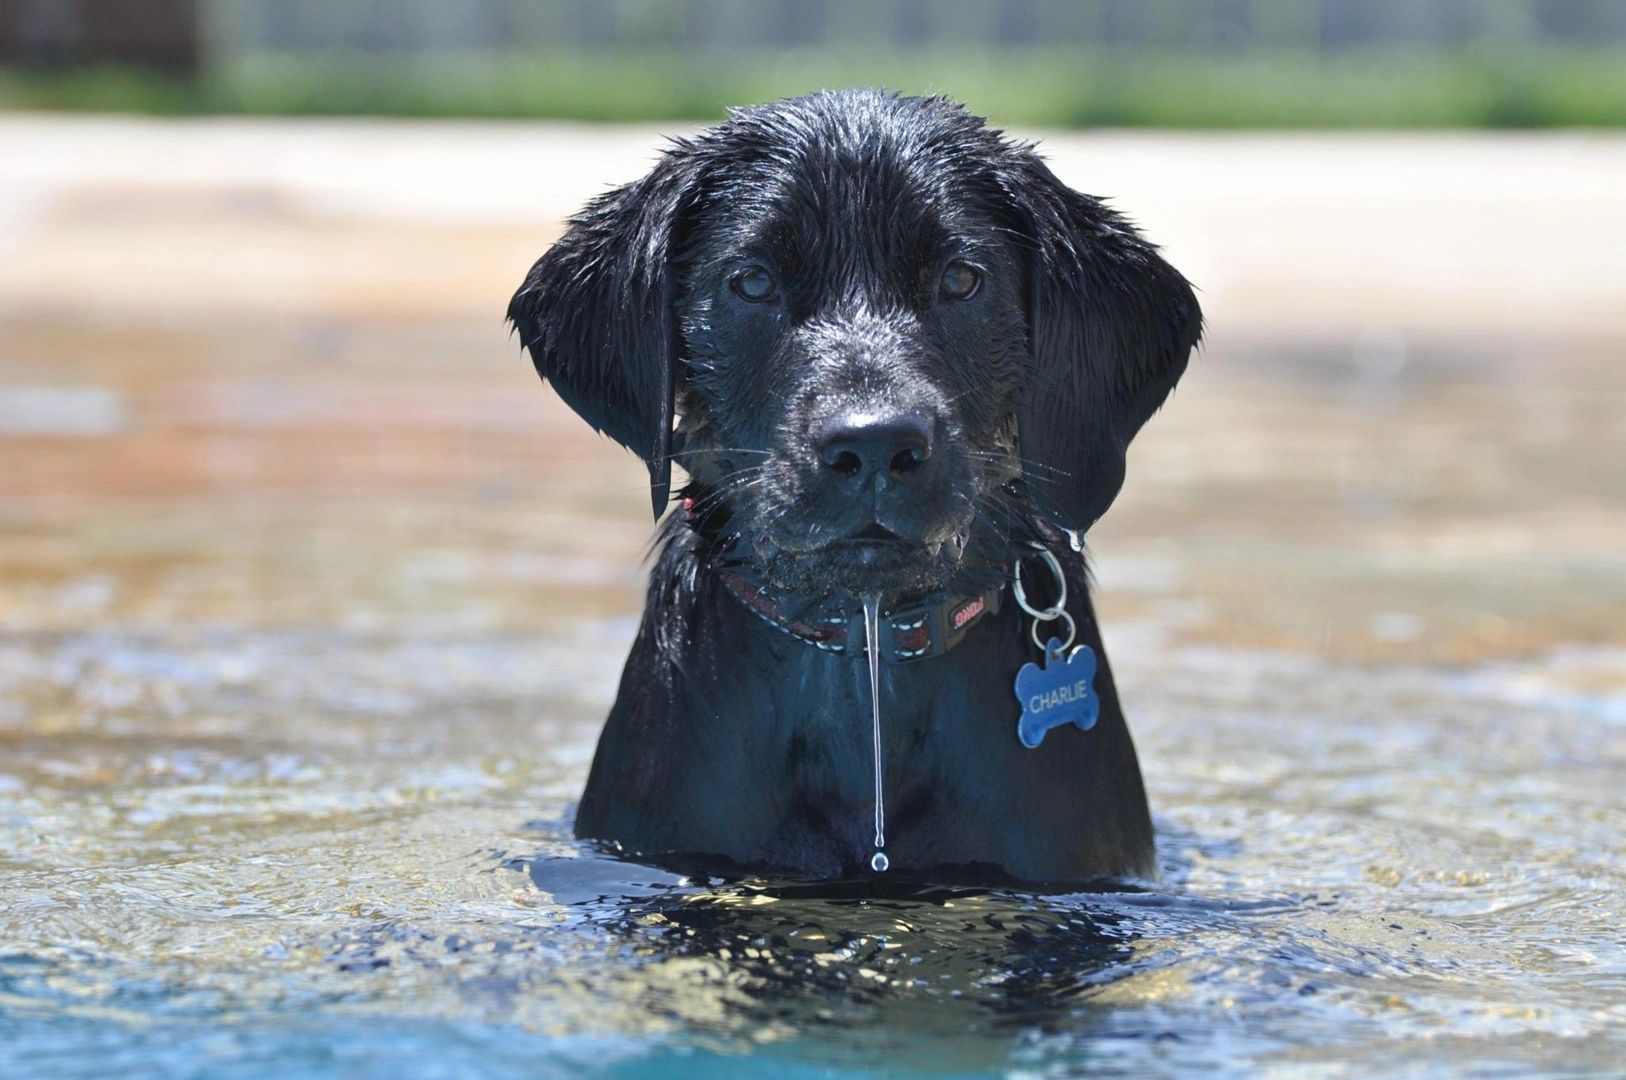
{"x": 914, "y": 634}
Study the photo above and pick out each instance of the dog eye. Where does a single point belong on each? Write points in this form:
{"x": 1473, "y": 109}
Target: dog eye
{"x": 754, "y": 284}
{"x": 960, "y": 281}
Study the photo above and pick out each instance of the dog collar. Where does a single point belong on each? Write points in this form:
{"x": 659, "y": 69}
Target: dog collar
{"x": 916, "y": 633}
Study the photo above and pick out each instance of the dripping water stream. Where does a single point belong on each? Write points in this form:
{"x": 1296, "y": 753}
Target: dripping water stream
{"x": 872, "y": 636}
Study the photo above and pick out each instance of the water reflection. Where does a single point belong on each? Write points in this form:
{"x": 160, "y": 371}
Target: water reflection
{"x": 941, "y": 978}
{"x": 865, "y": 953}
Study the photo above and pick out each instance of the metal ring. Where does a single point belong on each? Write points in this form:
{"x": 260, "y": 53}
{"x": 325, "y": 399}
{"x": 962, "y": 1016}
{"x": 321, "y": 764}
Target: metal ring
{"x": 1055, "y": 611}
{"x": 1072, "y": 632}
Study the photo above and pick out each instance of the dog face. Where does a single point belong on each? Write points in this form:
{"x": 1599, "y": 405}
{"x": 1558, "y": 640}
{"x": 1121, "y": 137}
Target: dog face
{"x": 893, "y": 339}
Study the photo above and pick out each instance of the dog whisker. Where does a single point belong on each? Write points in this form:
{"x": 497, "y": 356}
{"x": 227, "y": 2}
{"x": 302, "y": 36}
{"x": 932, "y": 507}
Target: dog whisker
{"x": 674, "y": 455}
{"x": 1026, "y": 463}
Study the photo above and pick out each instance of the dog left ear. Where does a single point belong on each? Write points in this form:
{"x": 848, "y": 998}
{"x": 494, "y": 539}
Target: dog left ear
{"x": 1111, "y": 326}
{"x": 597, "y": 312}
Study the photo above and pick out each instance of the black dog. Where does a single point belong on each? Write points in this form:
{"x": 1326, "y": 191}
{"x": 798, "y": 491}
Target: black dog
{"x": 901, "y": 356}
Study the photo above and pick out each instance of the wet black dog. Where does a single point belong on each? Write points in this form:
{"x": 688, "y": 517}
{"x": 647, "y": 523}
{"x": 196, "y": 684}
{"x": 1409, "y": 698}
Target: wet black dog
{"x": 901, "y": 355}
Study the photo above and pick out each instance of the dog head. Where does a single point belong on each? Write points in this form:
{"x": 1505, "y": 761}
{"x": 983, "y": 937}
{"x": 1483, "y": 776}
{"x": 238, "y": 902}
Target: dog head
{"x": 890, "y": 337}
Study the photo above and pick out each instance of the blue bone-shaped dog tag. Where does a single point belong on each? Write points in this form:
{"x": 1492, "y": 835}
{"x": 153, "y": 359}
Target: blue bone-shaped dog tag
{"x": 1060, "y": 692}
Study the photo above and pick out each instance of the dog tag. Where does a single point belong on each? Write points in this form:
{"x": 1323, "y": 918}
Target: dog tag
{"x": 1062, "y": 691}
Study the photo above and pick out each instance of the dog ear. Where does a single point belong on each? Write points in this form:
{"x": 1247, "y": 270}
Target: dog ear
{"x": 1111, "y": 326}
{"x": 597, "y": 312}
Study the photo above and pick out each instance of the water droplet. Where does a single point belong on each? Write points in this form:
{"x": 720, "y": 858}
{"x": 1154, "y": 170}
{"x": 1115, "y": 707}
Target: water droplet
{"x": 879, "y": 862}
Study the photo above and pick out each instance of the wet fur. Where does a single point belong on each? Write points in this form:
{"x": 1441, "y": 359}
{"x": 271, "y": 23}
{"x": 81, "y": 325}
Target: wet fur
{"x": 728, "y": 738}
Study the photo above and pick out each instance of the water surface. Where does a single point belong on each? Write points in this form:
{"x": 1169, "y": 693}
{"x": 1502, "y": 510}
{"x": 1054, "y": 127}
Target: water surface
{"x": 282, "y": 852}
{"x": 311, "y": 605}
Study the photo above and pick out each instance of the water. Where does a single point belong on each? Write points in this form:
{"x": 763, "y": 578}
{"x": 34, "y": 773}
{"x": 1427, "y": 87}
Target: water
{"x": 311, "y": 607}
{"x": 872, "y": 653}
{"x": 286, "y": 779}
{"x": 324, "y": 853}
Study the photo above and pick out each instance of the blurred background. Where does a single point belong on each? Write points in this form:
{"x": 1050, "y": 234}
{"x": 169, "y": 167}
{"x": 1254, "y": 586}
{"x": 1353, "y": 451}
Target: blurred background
{"x": 1187, "y": 63}
{"x": 293, "y": 317}
{"x": 298, "y": 560}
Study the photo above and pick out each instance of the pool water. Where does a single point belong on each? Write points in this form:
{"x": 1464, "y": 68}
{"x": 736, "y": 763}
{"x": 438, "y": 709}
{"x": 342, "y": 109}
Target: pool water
{"x": 262, "y": 854}
{"x": 312, "y": 603}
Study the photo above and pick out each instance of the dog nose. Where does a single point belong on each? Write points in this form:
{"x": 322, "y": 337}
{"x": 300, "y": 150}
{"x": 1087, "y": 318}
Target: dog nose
{"x": 859, "y": 448}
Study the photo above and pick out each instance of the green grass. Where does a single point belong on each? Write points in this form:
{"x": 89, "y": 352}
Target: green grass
{"x": 1387, "y": 90}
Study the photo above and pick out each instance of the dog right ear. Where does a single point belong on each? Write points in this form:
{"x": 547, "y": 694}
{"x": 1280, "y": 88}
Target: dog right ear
{"x": 1111, "y": 328}
{"x": 597, "y": 312}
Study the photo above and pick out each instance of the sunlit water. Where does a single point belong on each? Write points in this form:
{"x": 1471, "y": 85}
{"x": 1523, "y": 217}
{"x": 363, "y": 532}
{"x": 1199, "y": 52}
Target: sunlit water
{"x": 312, "y": 604}
{"x": 252, "y": 854}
